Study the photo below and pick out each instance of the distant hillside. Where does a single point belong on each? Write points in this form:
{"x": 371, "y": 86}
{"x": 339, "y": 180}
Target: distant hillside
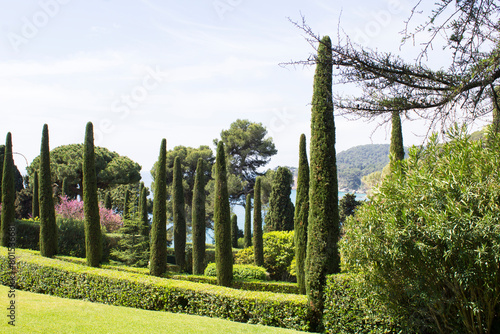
{"x": 359, "y": 161}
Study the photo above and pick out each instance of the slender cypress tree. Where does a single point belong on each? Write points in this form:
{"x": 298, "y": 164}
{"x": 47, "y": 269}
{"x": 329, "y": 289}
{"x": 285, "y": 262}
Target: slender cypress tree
{"x": 280, "y": 214}
{"x": 234, "y": 231}
{"x": 198, "y": 220}
{"x": 397, "y": 151}
{"x": 301, "y": 215}
{"x": 143, "y": 213}
{"x": 64, "y": 187}
{"x": 93, "y": 238}
{"x": 158, "y": 255}
{"x": 248, "y": 222}
{"x": 323, "y": 226}
{"x": 48, "y": 227}
{"x": 126, "y": 205}
{"x": 139, "y": 201}
{"x": 222, "y": 222}
{"x": 108, "y": 204}
{"x": 258, "y": 242}
{"x": 179, "y": 213}
{"x": 8, "y": 193}
{"x": 35, "y": 204}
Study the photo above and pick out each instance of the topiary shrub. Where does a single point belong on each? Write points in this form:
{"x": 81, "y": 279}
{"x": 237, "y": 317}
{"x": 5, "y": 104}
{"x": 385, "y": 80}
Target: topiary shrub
{"x": 240, "y": 271}
{"x": 27, "y": 234}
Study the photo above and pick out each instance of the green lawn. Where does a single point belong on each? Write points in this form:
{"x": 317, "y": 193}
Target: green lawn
{"x": 36, "y": 313}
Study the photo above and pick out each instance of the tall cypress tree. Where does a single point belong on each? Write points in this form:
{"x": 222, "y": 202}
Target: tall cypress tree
{"x": 93, "y": 238}
{"x": 323, "y": 226}
{"x": 234, "y": 231}
{"x": 139, "y": 207}
{"x": 179, "y": 213}
{"x": 143, "y": 213}
{"x": 198, "y": 220}
{"x": 48, "y": 227}
{"x": 35, "y": 204}
{"x": 64, "y": 187}
{"x": 301, "y": 215}
{"x": 158, "y": 244}
{"x": 397, "y": 151}
{"x": 280, "y": 214}
{"x": 8, "y": 193}
{"x": 258, "y": 242}
{"x": 248, "y": 222}
{"x": 222, "y": 222}
{"x": 108, "y": 204}
{"x": 126, "y": 205}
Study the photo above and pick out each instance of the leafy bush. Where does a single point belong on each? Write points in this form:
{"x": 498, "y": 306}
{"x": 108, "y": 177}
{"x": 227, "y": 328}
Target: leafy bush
{"x": 69, "y": 280}
{"x": 240, "y": 271}
{"x": 27, "y": 234}
{"x": 427, "y": 244}
{"x": 278, "y": 255}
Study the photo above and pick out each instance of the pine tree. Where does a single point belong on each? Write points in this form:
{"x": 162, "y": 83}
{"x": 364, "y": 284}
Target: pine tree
{"x": 108, "y": 204}
{"x": 323, "y": 226}
{"x": 35, "y": 205}
{"x": 133, "y": 247}
{"x": 8, "y": 193}
{"x": 397, "y": 151}
{"x": 280, "y": 214}
{"x": 179, "y": 213}
{"x": 248, "y": 222}
{"x": 158, "y": 244}
{"x": 258, "y": 242}
{"x": 198, "y": 220}
{"x": 301, "y": 214}
{"x": 126, "y": 205}
{"x": 93, "y": 238}
{"x": 222, "y": 222}
{"x": 48, "y": 227}
{"x": 234, "y": 231}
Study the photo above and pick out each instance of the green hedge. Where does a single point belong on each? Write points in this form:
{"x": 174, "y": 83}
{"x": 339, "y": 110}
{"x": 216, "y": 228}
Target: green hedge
{"x": 69, "y": 280}
{"x": 240, "y": 271}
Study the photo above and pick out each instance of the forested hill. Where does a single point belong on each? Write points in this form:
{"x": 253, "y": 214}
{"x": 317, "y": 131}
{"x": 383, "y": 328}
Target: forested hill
{"x": 359, "y": 161}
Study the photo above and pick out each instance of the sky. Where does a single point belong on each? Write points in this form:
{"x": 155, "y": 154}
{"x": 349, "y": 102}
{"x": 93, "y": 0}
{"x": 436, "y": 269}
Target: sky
{"x": 143, "y": 70}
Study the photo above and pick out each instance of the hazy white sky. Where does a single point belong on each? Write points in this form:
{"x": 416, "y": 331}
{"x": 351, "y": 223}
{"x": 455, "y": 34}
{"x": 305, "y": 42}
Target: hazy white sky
{"x": 181, "y": 70}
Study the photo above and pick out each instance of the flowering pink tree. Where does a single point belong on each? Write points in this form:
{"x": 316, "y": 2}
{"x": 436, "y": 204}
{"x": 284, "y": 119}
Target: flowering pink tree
{"x": 73, "y": 209}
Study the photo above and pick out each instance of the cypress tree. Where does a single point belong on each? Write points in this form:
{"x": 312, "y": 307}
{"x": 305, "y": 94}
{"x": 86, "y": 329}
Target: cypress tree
{"x": 179, "y": 213}
{"x": 48, "y": 227}
{"x": 397, "y": 151}
{"x": 64, "y": 187}
{"x": 258, "y": 242}
{"x": 234, "y": 231}
{"x": 280, "y": 214}
{"x": 222, "y": 222}
{"x": 301, "y": 215}
{"x": 248, "y": 222}
{"x": 35, "y": 207}
{"x": 8, "y": 193}
{"x": 108, "y": 204}
{"x": 139, "y": 201}
{"x": 143, "y": 213}
{"x": 323, "y": 226}
{"x": 126, "y": 205}
{"x": 158, "y": 244}
{"x": 93, "y": 238}
{"x": 198, "y": 220}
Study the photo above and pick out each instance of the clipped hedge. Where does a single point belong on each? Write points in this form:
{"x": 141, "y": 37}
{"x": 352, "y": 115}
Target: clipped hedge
{"x": 240, "y": 271}
{"x": 69, "y": 280}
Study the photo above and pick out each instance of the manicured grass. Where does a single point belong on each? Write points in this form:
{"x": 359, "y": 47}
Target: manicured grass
{"x": 36, "y": 313}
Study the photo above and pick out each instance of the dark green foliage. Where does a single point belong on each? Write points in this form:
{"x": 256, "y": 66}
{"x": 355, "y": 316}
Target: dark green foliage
{"x": 323, "y": 226}
{"x": 24, "y": 203}
{"x": 280, "y": 214}
{"x": 126, "y": 205}
{"x": 35, "y": 208}
{"x": 158, "y": 255}
{"x": 48, "y": 227}
{"x": 133, "y": 247}
{"x": 198, "y": 220}
{"x": 258, "y": 243}
{"x": 71, "y": 280}
{"x": 240, "y": 271}
{"x": 108, "y": 204}
{"x": 222, "y": 221}
{"x": 143, "y": 213}
{"x": 8, "y": 193}
{"x": 28, "y": 235}
{"x": 234, "y": 231}
{"x": 18, "y": 178}
{"x": 93, "y": 238}
{"x": 347, "y": 206}
{"x": 65, "y": 187}
{"x": 301, "y": 215}
{"x": 397, "y": 151}
{"x": 248, "y": 222}
{"x": 179, "y": 213}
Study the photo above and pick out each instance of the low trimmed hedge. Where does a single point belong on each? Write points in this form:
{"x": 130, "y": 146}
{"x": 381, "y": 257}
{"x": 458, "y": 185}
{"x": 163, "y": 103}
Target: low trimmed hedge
{"x": 240, "y": 271}
{"x": 69, "y": 280}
